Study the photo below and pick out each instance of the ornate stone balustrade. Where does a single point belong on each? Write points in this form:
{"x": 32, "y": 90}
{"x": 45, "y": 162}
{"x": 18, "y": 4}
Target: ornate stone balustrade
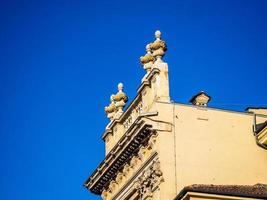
{"x": 141, "y": 104}
{"x": 134, "y": 114}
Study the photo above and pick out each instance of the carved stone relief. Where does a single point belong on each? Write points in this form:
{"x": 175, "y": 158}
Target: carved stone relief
{"x": 149, "y": 181}
{"x": 149, "y": 178}
{"x": 134, "y": 114}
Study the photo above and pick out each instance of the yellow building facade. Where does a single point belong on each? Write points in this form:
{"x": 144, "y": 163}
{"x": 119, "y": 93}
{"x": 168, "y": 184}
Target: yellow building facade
{"x": 160, "y": 150}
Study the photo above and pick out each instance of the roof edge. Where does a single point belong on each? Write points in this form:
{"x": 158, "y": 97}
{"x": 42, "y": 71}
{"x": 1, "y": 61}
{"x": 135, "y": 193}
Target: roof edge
{"x": 251, "y": 191}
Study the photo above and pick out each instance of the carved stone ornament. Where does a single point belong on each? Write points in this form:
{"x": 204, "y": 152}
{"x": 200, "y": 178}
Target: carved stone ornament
{"x": 148, "y": 177}
{"x": 111, "y": 109}
{"x": 119, "y": 177}
{"x": 155, "y": 51}
{"x": 134, "y": 161}
{"x": 148, "y": 59}
{"x": 158, "y": 47}
{"x": 104, "y": 195}
{"x": 152, "y": 141}
{"x": 126, "y": 169}
{"x": 120, "y": 98}
{"x": 113, "y": 185}
{"x": 148, "y": 181}
{"x": 118, "y": 101}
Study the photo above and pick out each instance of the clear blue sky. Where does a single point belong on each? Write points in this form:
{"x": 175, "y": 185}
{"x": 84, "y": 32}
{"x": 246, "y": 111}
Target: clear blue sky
{"x": 61, "y": 60}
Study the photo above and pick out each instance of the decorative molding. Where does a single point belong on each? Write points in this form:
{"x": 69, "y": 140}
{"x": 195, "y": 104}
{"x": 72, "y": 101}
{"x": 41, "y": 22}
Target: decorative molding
{"x": 128, "y": 187}
{"x": 137, "y": 110}
{"x": 125, "y": 149}
{"x": 130, "y": 168}
{"x": 149, "y": 181}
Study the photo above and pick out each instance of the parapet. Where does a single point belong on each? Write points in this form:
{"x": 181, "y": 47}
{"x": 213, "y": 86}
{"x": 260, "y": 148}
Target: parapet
{"x": 154, "y": 87}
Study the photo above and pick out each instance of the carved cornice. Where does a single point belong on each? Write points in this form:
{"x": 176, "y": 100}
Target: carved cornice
{"x": 136, "y": 131}
{"x": 126, "y": 148}
{"x": 132, "y": 169}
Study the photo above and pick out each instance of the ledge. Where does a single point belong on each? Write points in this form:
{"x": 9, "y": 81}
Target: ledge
{"x": 118, "y": 156}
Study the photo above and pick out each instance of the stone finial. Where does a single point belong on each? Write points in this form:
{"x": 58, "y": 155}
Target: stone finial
{"x": 148, "y": 59}
{"x": 120, "y": 94}
{"x": 120, "y": 98}
{"x": 118, "y": 101}
{"x": 111, "y": 108}
{"x": 158, "y": 47}
{"x": 158, "y": 34}
{"x": 120, "y": 87}
{"x": 154, "y": 52}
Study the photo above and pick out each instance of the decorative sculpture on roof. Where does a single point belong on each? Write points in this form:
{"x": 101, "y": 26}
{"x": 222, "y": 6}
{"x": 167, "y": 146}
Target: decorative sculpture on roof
{"x": 111, "y": 108}
{"x": 148, "y": 59}
{"x": 158, "y": 47}
{"x": 155, "y": 51}
{"x": 118, "y": 101}
{"x": 120, "y": 98}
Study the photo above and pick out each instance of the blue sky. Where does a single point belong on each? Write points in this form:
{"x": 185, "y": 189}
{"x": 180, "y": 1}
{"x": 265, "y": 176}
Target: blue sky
{"x": 61, "y": 60}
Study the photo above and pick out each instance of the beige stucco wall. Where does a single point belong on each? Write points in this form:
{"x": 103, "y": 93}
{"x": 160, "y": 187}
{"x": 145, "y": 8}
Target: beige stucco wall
{"x": 209, "y": 146}
{"x": 166, "y": 148}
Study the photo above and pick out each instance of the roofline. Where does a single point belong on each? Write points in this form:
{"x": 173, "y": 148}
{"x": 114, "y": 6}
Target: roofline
{"x": 213, "y": 108}
{"x": 250, "y": 107}
{"x": 187, "y": 189}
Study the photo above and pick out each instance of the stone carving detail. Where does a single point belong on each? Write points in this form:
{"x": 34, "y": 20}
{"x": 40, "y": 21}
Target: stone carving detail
{"x": 148, "y": 181}
{"x": 135, "y": 113}
{"x": 113, "y": 185}
{"x": 104, "y": 195}
{"x": 142, "y": 153}
{"x": 120, "y": 98}
{"x": 158, "y": 47}
{"x": 111, "y": 108}
{"x": 155, "y": 51}
{"x": 152, "y": 141}
{"x": 126, "y": 169}
{"x": 128, "y": 122}
{"x": 151, "y": 176}
{"x": 118, "y": 101}
{"x": 119, "y": 177}
{"x": 134, "y": 162}
{"x": 139, "y": 108}
{"x": 148, "y": 59}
